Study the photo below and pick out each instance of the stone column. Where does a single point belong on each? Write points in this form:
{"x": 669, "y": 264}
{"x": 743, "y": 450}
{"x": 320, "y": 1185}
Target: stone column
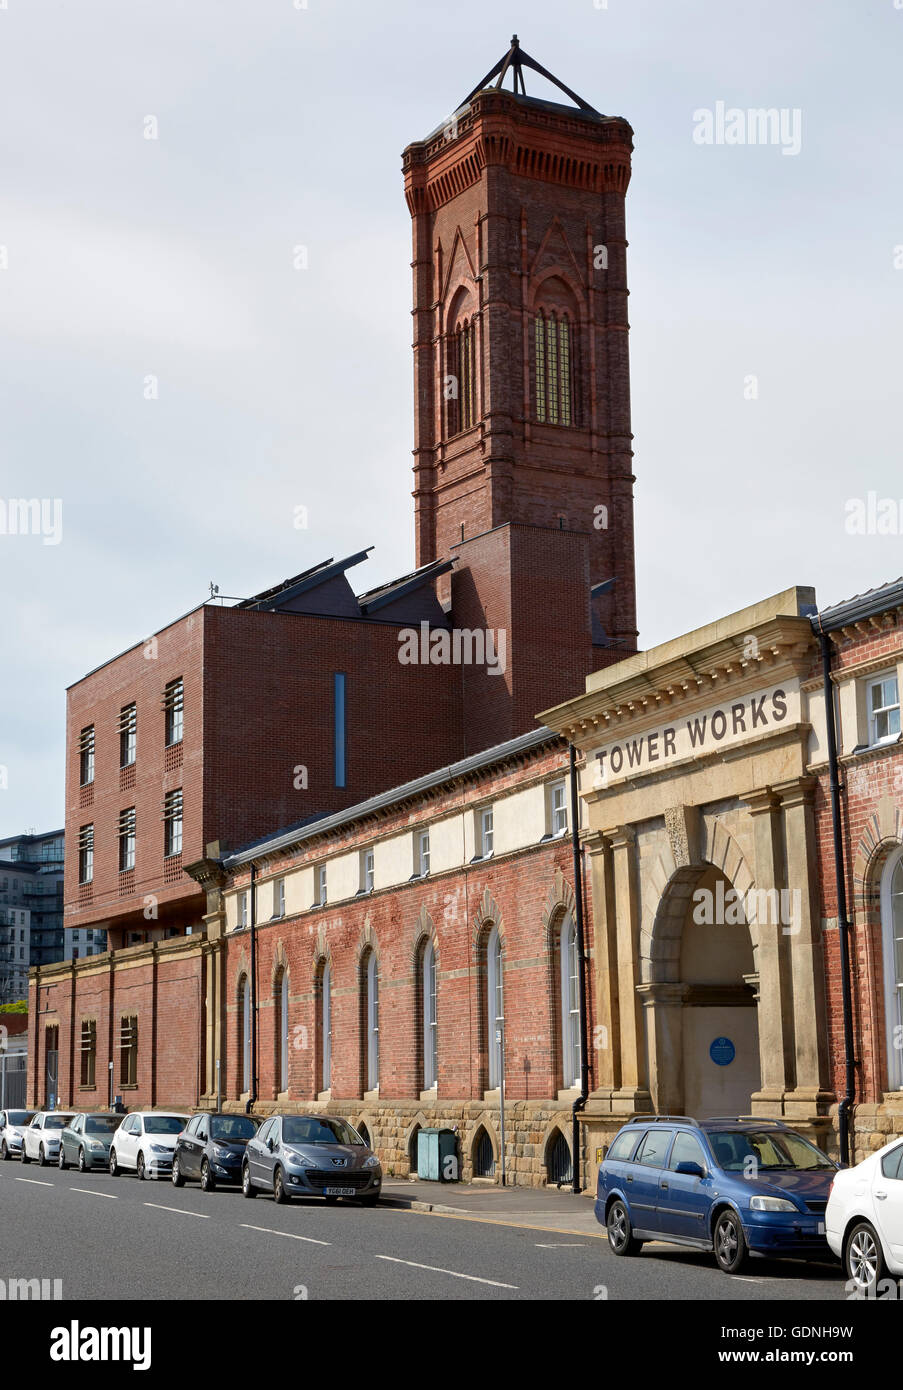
{"x": 664, "y": 1004}
{"x": 803, "y": 932}
{"x": 605, "y": 1045}
{"x": 632, "y": 1093}
{"x": 775, "y": 1003}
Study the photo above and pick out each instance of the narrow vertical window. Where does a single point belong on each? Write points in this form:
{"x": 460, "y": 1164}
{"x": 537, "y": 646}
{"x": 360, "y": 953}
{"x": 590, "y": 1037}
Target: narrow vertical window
{"x": 172, "y": 823}
{"x": 494, "y": 1006}
{"x": 86, "y": 854}
{"x": 430, "y": 1036}
{"x": 128, "y": 1050}
{"x": 127, "y": 839}
{"x": 564, "y": 370}
{"x": 279, "y": 897}
{"x": 338, "y": 708}
{"x": 552, "y": 350}
{"x": 423, "y": 853}
{"x": 570, "y": 1005}
{"x": 372, "y": 1014}
{"x": 892, "y": 923}
{"x": 86, "y": 756}
{"x": 540, "y": 336}
{"x": 173, "y": 706}
{"x": 88, "y": 1050}
{"x": 321, "y": 886}
{"x": 326, "y": 1026}
{"x": 128, "y": 734}
{"x": 283, "y": 1032}
{"x": 245, "y": 1035}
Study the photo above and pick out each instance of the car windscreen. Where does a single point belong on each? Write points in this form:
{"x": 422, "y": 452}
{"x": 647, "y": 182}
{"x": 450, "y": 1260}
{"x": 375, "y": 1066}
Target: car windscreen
{"x": 761, "y": 1151}
{"x": 163, "y": 1124}
{"x": 232, "y": 1129}
{"x": 19, "y": 1117}
{"x": 318, "y": 1129}
{"x": 57, "y": 1121}
{"x": 102, "y": 1124}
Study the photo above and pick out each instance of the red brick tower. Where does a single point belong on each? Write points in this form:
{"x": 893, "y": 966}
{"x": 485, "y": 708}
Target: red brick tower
{"x": 522, "y": 398}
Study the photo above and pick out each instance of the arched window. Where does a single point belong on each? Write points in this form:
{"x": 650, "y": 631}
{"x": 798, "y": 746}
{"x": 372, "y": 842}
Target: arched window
{"x": 371, "y": 1015}
{"x": 281, "y": 1002}
{"x": 570, "y": 1004}
{"x": 430, "y": 1038}
{"x": 495, "y": 1016}
{"x": 245, "y": 997}
{"x": 461, "y": 368}
{"x": 892, "y": 924}
{"x": 325, "y": 1027}
{"x": 554, "y": 373}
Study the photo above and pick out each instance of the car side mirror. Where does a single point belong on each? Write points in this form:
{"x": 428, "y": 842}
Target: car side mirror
{"x": 271, "y": 1144}
{"x": 691, "y": 1169}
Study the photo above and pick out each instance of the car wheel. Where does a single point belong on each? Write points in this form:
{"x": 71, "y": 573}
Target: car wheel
{"x": 247, "y": 1187}
{"x": 25, "y": 1158}
{"x": 82, "y": 1165}
{"x": 177, "y": 1179}
{"x": 61, "y": 1161}
{"x": 4, "y": 1152}
{"x": 280, "y": 1196}
{"x": 208, "y": 1182}
{"x": 142, "y": 1173}
{"x": 730, "y": 1243}
{"x": 115, "y": 1169}
{"x": 864, "y": 1258}
{"x": 42, "y": 1157}
{"x": 621, "y": 1239}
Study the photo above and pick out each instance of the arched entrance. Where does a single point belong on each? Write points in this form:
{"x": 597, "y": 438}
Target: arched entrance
{"x": 701, "y": 1004}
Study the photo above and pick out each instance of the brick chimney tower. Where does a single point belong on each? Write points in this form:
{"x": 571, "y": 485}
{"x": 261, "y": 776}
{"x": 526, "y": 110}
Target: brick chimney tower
{"x": 521, "y": 377}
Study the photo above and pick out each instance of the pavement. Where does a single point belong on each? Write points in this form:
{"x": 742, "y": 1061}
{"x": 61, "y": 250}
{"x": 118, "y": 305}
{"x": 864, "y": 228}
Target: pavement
{"x": 542, "y": 1208}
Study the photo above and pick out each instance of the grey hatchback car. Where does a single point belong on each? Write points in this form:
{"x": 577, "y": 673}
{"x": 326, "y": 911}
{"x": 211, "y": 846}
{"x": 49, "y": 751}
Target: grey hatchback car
{"x": 87, "y": 1138}
{"x": 310, "y": 1156}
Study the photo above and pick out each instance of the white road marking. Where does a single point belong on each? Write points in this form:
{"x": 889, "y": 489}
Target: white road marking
{"x": 291, "y": 1235}
{"x": 179, "y": 1211}
{"x": 474, "y": 1278}
{"x": 560, "y": 1245}
{"x": 110, "y": 1196}
{"x": 34, "y": 1182}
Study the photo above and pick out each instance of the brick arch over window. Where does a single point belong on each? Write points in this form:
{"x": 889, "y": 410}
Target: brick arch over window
{"x": 460, "y": 367}
{"x": 424, "y": 931}
{"x": 556, "y": 353}
{"x": 280, "y": 963}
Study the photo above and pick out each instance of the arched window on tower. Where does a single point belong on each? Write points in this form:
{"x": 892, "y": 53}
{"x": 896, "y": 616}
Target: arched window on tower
{"x": 554, "y": 368}
{"x": 460, "y": 384}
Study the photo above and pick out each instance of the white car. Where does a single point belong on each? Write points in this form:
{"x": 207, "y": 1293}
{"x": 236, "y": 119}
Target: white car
{"x": 864, "y": 1218}
{"x": 41, "y": 1139}
{"x": 145, "y": 1142}
{"x": 12, "y": 1127}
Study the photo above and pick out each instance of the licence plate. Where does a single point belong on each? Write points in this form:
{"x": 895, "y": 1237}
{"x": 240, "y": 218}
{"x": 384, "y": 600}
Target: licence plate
{"x": 339, "y": 1191}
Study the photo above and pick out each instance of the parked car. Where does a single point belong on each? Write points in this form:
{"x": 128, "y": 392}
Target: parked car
{"x": 310, "y": 1156}
{"x": 211, "y": 1149}
{"x": 864, "y": 1220}
{"x": 736, "y": 1186}
{"x": 41, "y": 1139}
{"x": 144, "y": 1142}
{"x": 12, "y": 1126}
{"x": 86, "y": 1140}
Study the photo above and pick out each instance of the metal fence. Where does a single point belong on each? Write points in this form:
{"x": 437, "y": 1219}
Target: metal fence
{"x": 13, "y": 1080}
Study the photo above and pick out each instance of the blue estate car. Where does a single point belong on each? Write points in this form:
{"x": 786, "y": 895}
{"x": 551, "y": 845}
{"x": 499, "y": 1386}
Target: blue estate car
{"x": 736, "y": 1186}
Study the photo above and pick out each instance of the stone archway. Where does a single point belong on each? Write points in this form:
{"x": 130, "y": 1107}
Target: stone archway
{"x": 700, "y": 995}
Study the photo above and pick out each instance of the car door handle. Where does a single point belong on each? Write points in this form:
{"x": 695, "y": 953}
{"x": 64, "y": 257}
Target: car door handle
{"x": 882, "y": 1196}
{"x": 629, "y": 1178}
{"x": 664, "y": 1186}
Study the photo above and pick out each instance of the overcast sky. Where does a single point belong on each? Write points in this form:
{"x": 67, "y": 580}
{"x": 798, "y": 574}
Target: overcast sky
{"x": 130, "y": 258}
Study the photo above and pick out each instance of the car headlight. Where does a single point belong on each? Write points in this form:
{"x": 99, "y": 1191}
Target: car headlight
{"x": 160, "y": 1149}
{"x": 94, "y": 1144}
{"x": 371, "y": 1162}
{"x": 772, "y": 1204}
{"x": 220, "y": 1152}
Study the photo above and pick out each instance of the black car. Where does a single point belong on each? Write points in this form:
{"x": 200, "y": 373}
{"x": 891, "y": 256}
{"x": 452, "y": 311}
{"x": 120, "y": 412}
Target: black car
{"x": 211, "y": 1148}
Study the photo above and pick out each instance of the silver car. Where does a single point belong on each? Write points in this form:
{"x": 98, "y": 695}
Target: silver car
{"x": 310, "y": 1156}
{"x": 12, "y": 1126}
{"x": 86, "y": 1140}
{"x": 41, "y": 1139}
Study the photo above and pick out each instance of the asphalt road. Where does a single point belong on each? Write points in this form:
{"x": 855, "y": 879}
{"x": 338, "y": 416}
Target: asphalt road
{"x": 118, "y": 1238}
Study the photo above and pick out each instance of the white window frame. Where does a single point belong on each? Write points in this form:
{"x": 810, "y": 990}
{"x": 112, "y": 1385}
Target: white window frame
{"x": 241, "y": 910}
{"x": 486, "y": 827}
{"x": 322, "y": 887}
{"x": 495, "y": 1005}
{"x": 557, "y": 814}
{"x": 278, "y": 897}
{"x": 893, "y": 979}
{"x": 368, "y": 874}
{"x": 570, "y": 1004}
{"x": 372, "y": 1022}
{"x": 430, "y": 1037}
{"x": 423, "y": 853}
{"x": 876, "y": 740}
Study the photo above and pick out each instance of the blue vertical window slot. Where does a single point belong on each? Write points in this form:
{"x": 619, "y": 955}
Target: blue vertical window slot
{"x": 338, "y": 705}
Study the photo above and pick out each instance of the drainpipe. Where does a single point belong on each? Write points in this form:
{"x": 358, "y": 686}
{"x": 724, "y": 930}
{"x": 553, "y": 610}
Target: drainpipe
{"x": 580, "y": 1102}
{"x": 253, "y": 925}
{"x": 844, "y": 925}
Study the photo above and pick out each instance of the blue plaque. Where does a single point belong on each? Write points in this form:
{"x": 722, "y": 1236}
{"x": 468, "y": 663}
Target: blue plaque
{"x": 722, "y": 1052}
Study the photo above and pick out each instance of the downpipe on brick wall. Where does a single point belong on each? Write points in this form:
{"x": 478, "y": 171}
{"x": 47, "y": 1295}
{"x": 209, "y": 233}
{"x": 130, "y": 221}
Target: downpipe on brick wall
{"x": 844, "y": 925}
{"x": 580, "y": 1102}
{"x": 252, "y": 1097}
